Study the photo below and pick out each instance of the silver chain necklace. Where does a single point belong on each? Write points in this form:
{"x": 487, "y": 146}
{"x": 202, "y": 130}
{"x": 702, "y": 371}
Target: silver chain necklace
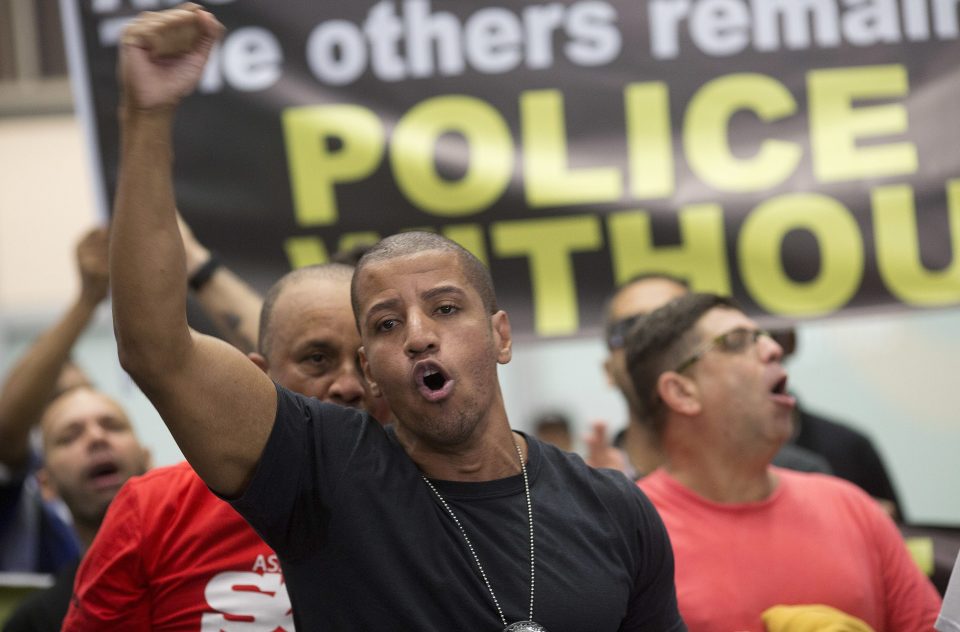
{"x": 519, "y": 626}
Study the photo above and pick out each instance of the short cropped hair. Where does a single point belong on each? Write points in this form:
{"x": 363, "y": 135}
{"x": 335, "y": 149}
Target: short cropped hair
{"x": 661, "y": 341}
{"x": 414, "y": 242}
{"x": 327, "y": 271}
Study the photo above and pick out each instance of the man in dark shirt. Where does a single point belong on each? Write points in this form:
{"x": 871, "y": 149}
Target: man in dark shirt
{"x": 448, "y": 521}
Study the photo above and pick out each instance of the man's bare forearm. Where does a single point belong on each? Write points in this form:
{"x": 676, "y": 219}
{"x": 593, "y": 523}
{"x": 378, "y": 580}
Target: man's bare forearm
{"x": 234, "y": 308}
{"x": 33, "y": 380}
{"x": 146, "y": 254}
{"x": 232, "y": 305}
{"x": 217, "y": 404}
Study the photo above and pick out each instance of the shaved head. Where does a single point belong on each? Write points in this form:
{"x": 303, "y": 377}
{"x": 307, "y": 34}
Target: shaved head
{"x": 322, "y": 272}
{"x": 411, "y": 243}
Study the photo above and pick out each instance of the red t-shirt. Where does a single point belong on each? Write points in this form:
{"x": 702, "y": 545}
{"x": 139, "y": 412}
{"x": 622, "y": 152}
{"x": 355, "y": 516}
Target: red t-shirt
{"x": 815, "y": 540}
{"x": 172, "y": 556}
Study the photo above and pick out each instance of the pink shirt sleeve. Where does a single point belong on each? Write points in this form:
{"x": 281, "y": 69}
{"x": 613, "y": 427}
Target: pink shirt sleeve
{"x": 912, "y": 601}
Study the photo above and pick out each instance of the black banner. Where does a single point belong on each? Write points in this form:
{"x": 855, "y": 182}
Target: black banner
{"x": 798, "y": 154}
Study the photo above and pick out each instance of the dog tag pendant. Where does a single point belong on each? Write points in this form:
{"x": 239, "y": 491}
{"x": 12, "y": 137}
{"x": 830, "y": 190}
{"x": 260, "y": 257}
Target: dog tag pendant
{"x": 525, "y": 626}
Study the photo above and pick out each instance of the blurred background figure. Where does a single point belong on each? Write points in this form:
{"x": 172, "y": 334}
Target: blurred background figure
{"x": 170, "y": 553}
{"x": 65, "y": 451}
{"x": 712, "y": 384}
{"x": 554, "y": 428}
{"x": 34, "y": 535}
{"x": 635, "y": 450}
{"x": 89, "y": 452}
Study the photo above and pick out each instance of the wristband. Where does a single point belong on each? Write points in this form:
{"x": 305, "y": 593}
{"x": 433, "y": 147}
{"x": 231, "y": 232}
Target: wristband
{"x": 202, "y": 274}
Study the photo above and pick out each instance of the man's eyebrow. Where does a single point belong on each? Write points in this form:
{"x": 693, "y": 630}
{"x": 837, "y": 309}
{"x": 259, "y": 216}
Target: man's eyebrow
{"x": 110, "y": 417}
{"x": 385, "y": 304}
{"x": 70, "y": 426}
{"x": 433, "y": 293}
{"x": 442, "y": 290}
{"x": 316, "y": 343}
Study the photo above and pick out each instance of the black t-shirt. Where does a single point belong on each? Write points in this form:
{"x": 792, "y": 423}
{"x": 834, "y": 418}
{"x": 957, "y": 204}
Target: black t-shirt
{"x": 365, "y": 545}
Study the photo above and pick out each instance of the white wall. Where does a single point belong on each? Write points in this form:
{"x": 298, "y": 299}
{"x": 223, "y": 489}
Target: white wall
{"x": 45, "y": 205}
{"x": 891, "y": 375}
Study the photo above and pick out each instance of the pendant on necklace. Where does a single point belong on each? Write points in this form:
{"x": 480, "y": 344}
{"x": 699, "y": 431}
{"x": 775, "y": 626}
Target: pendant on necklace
{"x": 525, "y": 626}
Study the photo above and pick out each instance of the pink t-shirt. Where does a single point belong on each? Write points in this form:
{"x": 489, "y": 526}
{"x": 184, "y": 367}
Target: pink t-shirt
{"x": 172, "y": 556}
{"x": 816, "y": 540}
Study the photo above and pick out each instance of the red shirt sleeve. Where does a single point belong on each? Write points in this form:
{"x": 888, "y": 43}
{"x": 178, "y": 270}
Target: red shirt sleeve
{"x": 110, "y": 590}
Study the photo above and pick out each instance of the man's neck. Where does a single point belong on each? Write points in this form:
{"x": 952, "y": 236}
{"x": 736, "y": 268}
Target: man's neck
{"x": 85, "y": 533}
{"x": 726, "y": 486}
{"x": 491, "y": 456}
{"x": 720, "y": 474}
{"x": 641, "y": 445}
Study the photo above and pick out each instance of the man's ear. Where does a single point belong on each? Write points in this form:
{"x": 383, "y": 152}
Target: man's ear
{"x": 259, "y": 360}
{"x": 147, "y": 457}
{"x": 365, "y": 369}
{"x": 503, "y": 336}
{"x": 48, "y": 489}
{"x": 608, "y": 370}
{"x": 679, "y": 393}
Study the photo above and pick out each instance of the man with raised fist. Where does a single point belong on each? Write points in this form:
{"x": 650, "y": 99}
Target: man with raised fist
{"x": 446, "y": 520}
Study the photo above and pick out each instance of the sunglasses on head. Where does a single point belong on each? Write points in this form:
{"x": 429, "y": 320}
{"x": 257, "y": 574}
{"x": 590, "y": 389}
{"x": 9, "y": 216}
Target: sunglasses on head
{"x": 617, "y": 332}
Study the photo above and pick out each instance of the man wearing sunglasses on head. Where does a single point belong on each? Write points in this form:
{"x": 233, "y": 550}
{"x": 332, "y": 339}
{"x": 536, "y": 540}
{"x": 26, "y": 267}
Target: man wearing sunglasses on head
{"x": 747, "y": 536}
{"x": 635, "y": 450}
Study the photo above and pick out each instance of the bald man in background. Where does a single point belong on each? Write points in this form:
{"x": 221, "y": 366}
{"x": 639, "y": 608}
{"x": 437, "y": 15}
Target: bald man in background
{"x": 637, "y": 452}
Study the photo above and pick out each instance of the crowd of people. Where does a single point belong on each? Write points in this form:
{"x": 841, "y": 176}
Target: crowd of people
{"x": 350, "y": 464}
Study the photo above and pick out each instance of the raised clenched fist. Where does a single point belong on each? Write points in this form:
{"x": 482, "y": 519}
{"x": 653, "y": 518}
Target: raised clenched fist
{"x": 93, "y": 265}
{"x": 165, "y": 33}
{"x": 162, "y": 55}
